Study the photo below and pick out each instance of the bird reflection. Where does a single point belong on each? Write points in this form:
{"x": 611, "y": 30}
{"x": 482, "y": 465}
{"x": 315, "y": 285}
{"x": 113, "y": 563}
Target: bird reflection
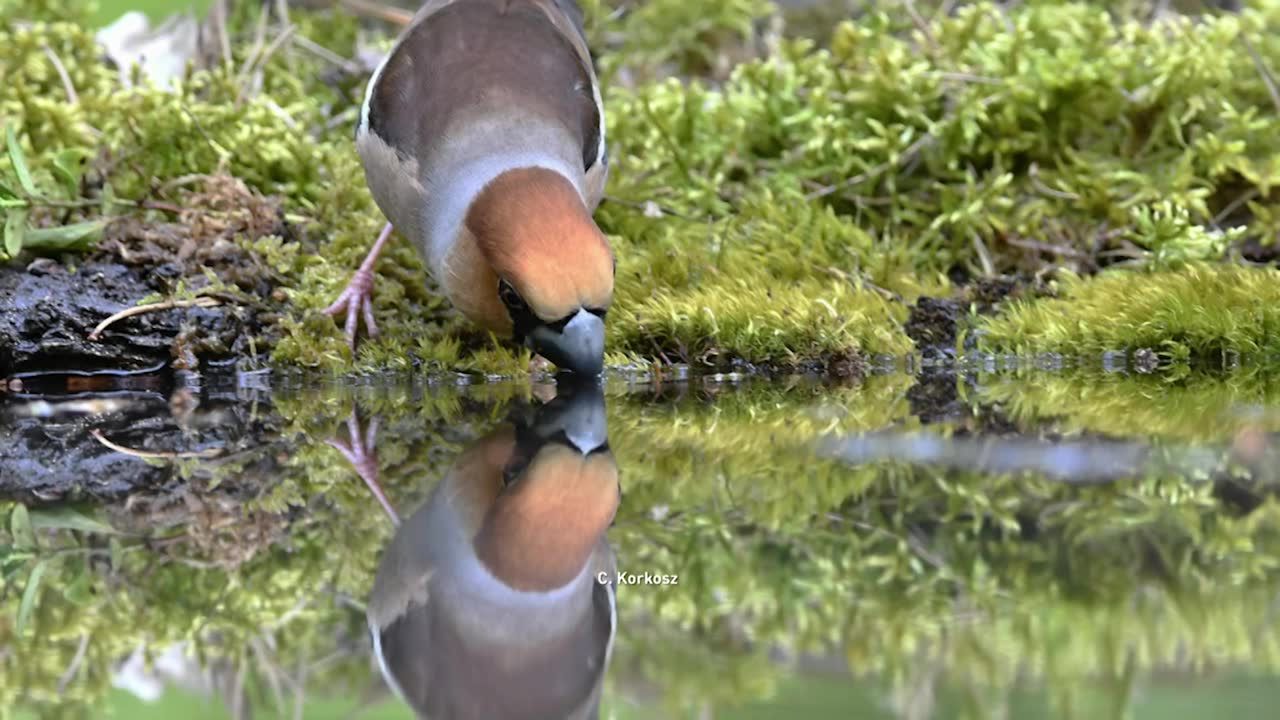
{"x": 487, "y": 603}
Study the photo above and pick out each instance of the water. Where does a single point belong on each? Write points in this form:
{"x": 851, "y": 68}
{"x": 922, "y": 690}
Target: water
{"x": 1023, "y": 539}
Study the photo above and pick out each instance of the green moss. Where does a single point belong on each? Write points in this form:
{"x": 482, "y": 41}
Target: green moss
{"x": 773, "y": 198}
{"x": 1200, "y": 312}
{"x": 636, "y": 43}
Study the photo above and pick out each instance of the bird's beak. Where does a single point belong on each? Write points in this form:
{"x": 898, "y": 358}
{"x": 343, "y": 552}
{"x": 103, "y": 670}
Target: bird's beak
{"x": 578, "y": 347}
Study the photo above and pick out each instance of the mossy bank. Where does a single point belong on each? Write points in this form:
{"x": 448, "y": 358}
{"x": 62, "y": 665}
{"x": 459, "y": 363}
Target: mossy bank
{"x": 784, "y": 190}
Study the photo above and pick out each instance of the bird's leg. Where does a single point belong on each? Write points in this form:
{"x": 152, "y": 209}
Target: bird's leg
{"x": 360, "y": 452}
{"x": 539, "y": 366}
{"x": 357, "y": 298}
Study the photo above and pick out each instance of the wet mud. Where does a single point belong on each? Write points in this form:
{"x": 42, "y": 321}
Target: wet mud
{"x": 104, "y": 438}
{"x": 209, "y": 296}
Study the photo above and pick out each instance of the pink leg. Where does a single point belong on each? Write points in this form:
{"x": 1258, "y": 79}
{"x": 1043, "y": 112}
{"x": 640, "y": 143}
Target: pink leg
{"x": 360, "y": 453}
{"x": 357, "y": 298}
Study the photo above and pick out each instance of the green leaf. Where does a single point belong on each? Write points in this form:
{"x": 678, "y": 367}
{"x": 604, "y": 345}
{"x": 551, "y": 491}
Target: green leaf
{"x": 68, "y": 518}
{"x": 20, "y": 528}
{"x": 30, "y": 594}
{"x": 11, "y": 561}
{"x": 117, "y": 552}
{"x": 67, "y": 166}
{"x": 19, "y": 160}
{"x": 78, "y": 590}
{"x": 15, "y": 229}
{"x": 77, "y": 236}
{"x": 108, "y": 198}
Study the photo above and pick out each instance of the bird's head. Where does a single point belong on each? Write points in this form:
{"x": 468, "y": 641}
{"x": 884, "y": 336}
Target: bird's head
{"x": 559, "y": 492}
{"x": 553, "y": 266}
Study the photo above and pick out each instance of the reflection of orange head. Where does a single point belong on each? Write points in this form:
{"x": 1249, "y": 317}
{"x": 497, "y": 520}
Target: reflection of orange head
{"x": 539, "y": 532}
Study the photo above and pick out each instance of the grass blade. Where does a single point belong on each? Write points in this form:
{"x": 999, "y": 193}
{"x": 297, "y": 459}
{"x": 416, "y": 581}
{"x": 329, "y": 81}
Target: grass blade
{"x": 30, "y": 594}
{"x": 24, "y": 536}
{"x": 15, "y": 229}
{"x": 68, "y": 518}
{"x": 19, "y": 160}
{"x": 77, "y": 236}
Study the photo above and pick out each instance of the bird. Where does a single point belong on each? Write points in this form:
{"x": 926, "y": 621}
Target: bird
{"x": 496, "y": 597}
{"x": 482, "y": 137}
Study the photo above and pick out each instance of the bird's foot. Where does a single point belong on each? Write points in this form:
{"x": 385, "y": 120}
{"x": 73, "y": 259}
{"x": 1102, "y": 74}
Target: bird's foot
{"x": 356, "y": 300}
{"x": 540, "y": 367}
{"x": 360, "y": 451}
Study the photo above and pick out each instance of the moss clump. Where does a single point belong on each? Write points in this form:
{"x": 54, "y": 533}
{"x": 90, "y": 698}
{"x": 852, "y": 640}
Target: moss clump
{"x": 1200, "y": 312}
{"x": 779, "y": 200}
{"x": 1045, "y": 124}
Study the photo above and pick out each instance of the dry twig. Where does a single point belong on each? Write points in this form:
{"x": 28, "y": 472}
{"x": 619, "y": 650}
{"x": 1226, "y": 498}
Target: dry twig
{"x": 151, "y": 307}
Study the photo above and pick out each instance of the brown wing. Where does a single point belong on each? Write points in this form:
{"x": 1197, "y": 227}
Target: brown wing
{"x": 484, "y": 56}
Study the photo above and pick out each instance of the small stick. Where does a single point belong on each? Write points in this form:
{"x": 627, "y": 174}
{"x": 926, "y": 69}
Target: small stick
{"x": 74, "y": 668}
{"x": 372, "y": 9}
{"x": 150, "y": 307}
{"x": 97, "y": 435}
{"x": 1267, "y": 78}
{"x": 325, "y": 53}
{"x": 62, "y": 73}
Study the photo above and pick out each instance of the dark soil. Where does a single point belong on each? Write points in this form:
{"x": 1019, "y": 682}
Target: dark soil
{"x": 48, "y": 309}
{"x": 935, "y": 397}
{"x": 48, "y": 312}
{"x": 933, "y": 324}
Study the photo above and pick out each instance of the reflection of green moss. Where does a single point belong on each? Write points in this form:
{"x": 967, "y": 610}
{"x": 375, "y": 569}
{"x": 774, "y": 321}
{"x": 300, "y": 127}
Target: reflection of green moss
{"x": 1200, "y": 312}
{"x": 728, "y": 451}
{"x": 903, "y": 570}
{"x": 1116, "y": 582}
{"x": 1198, "y": 407}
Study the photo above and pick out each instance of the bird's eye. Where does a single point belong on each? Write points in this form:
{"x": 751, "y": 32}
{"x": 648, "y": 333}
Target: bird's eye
{"x": 522, "y": 318}
{"x": 510, "y": 297}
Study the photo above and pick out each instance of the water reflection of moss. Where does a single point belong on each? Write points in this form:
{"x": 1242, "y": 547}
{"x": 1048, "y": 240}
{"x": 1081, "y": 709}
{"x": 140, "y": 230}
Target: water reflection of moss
{"x": 915, "y": 575}
{"x": 1200, "y": 406}
{"x": 1116, "y": 581}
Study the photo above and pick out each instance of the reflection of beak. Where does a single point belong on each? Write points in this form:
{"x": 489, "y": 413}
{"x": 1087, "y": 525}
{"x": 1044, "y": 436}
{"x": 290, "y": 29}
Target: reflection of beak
{"x": 578, "y": 411}
{"x": 578, "y": 347}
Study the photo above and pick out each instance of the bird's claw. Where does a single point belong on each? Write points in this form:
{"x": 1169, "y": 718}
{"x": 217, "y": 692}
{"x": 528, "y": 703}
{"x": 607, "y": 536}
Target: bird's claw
{"x": 356, "y": 300}
{"x": 360, "y": 452}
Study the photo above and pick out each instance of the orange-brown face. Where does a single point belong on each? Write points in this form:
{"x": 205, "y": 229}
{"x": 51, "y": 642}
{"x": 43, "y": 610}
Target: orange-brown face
{"x": 539, "y": 532}
{"x": 552, "y": 267}
{"x": 533, "y": 228}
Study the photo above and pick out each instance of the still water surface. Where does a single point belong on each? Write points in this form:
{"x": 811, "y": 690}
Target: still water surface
{"x": 1012, "y": 544}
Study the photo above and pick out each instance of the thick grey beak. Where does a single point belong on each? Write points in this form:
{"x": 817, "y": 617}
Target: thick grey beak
{"x": 578, "y": 347}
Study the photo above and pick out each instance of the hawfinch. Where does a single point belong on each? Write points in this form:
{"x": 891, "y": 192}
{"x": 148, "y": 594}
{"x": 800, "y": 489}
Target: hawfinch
{"x": 482, "y": 137}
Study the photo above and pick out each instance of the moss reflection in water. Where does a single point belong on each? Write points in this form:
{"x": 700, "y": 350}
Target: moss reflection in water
{"x": 962, "y": 586}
